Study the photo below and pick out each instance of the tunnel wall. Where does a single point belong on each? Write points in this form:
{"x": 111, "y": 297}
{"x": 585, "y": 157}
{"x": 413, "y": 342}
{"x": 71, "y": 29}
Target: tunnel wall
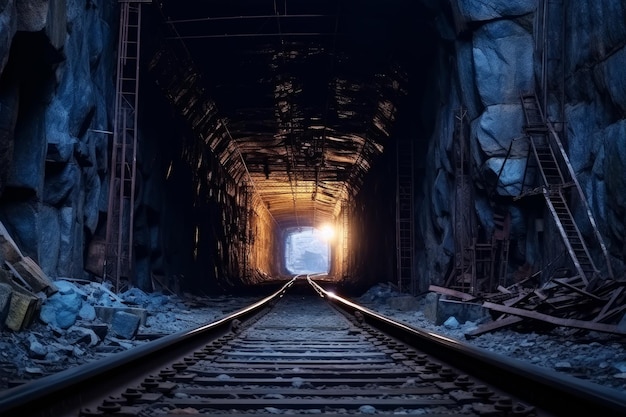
{"x": 55, "y": 95}
{"x": 489, "y": 55}
{"x": 372, "y": 227}
{"x": 265, "y": 246}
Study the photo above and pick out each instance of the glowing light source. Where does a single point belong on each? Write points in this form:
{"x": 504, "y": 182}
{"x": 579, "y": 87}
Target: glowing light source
{"x": 327, "y": 232}
{"x": 306, "y": 251}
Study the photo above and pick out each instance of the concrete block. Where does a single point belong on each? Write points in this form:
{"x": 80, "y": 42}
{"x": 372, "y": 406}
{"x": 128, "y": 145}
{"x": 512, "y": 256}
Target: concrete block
{"x": 106, "y": 314}
{"x": 462, "y": 311}
{"x": 437, "y": 310}
{"x": 125, "y": 325}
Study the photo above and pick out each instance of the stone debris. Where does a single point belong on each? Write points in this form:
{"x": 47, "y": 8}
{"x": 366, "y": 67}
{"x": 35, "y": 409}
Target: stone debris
{"x": 601, "y": 358}
{"x": 598, "y": 357}
{"x": 125, "y": 325}
{"x": 84, "y": 321}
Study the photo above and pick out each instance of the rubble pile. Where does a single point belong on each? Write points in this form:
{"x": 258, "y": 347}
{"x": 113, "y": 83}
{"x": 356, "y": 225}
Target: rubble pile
{"x": 47, "y": 326}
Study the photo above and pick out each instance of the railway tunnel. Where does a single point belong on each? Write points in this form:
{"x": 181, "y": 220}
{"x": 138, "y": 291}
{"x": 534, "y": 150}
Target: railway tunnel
{"x": 300, "y": 117}
{"x": 160, "y": 161}
{"x": 187, "y": 145}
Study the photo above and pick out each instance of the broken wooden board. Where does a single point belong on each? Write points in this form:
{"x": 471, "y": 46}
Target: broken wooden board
{"x": 558, "y": 321}
{"x": 612, "y": 307}
{"x": 453, "y": 293}
{"x": 33, "y": 275}
{"x": 575, "y": 289}
{"x": 24, "y": 304}
{"x": 8, "y": 249}
{"x": 493, "y": 325}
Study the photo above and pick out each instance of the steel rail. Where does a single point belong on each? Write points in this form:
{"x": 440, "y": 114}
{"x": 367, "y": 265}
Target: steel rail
{"x": 66, "y": 392}
{"x": 557, "y": 393}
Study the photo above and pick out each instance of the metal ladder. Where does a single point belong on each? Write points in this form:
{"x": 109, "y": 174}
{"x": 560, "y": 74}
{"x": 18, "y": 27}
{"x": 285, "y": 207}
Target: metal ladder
{"x": 557, "y": 176}
{"x": 345, "y": 238}
{"x": 118, "y": 263}
{"x": 405, "y": 217}
{"x": 463, "y": 276}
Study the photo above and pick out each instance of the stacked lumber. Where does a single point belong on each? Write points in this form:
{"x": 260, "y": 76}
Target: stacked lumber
{"x": 27, "y": 285}
{"x": 567, "y": 302}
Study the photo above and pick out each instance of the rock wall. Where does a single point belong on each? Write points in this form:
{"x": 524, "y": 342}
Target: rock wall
{"x": 56, "y": 65}
{"x": 496, "y": 54}
{"x": 57, "y": 86}
{"x": 595, "y": 112}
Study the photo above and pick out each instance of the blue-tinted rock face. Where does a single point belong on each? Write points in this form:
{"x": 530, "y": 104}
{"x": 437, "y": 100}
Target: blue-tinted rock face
{"x": 505, "y": 61}
{"x": 61, "y": 83}
{"x": 478, "y": 10}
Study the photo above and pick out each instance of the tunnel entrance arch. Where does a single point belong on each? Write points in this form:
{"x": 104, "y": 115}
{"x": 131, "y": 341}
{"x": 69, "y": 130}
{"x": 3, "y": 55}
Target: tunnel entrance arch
{"x": 307, "y": 250}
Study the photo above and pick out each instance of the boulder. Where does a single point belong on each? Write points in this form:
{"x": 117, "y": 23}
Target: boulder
{"x": 61, "y": 309}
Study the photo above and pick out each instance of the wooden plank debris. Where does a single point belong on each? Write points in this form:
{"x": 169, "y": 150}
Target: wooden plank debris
{"x": 9, "y": 251}
{"x": 566, "y": 301}
{"x": 33, "y": 275}
{"x": 24, "y": 304}
{"x": 609, "y": 310}
{"x": 453, "y": 293}
{"x": 580, "y": 324}
{"x": 565, "y": 283}
{"x": 494, "y": 325}
{"x": 26, "y": 280}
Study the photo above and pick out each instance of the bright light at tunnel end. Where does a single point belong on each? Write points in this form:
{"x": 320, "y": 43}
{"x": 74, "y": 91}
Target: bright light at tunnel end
{"x": 327, "y": 232}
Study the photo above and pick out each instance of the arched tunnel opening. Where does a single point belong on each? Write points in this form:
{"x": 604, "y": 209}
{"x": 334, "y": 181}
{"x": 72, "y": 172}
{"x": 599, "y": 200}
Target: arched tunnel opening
{"x": 271, "y": 131}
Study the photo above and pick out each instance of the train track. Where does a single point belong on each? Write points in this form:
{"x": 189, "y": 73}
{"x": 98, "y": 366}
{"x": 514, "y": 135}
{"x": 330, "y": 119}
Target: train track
{"x": 304, "y": 350}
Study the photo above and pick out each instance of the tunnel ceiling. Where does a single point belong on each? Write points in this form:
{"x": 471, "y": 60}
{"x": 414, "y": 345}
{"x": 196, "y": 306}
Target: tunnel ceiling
{"x": 303, "y": 94}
